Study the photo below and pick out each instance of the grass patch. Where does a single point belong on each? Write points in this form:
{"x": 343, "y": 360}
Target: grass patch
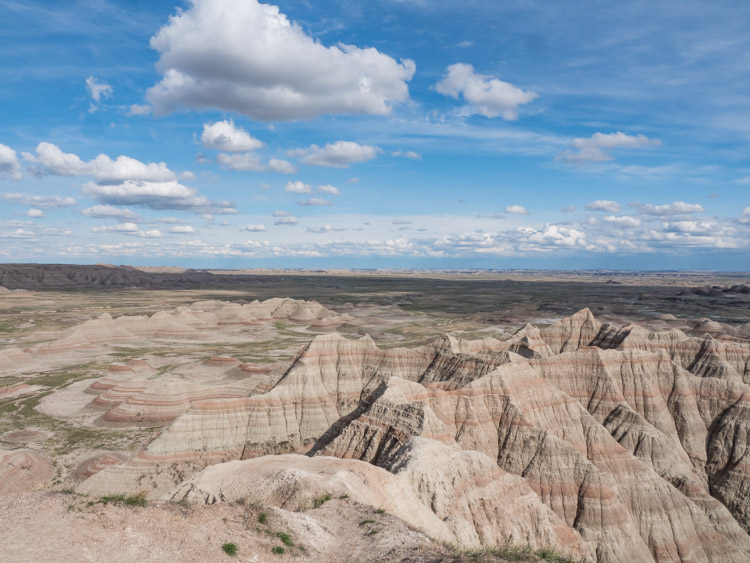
{"x": 277, "y": 550}
{"x": 137, "y": 499}
{"x": 380, "y": 511}
{"x": 519, "y": 553}
{"x": 230, "y": 549}
{"x": 344, "y": 497}
{"x": 372, "y": 532}
{"x": 320, "y": 501}
{"x": 262, "y": 518}
{"x": 285, "y": 538}
{"x": 365, "y": 522}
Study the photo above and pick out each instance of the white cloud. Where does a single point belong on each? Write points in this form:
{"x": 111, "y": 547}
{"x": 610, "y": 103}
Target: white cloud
{"x": 139, "y": 110}
{"x": 604, "y": 205}
{"x": 120, "y": 228}
{"x": 485, "y": 94}
{"x": 9, "y": 165}
{"x": 597, "y": 147}
{"x": 298, "y": 187}
{"x": 336, "y": 155}
{"x": 248, "y": 161}
{"x": 401, "y": 222}
{"x": 247, "y": 57}
{"x": 156, "y": 195}
{"x": 183, "y": 229}
{"x": 352, "y": 180}
{"x": 674, "y": 208}
{"x": 516, "y": 210}
{"x": 745, "y": 218}
{"x": 623, "y": 221}
{"x": 36, "y": 213}
{"x": 326, "y": 229}
{"x": 49, "y": 159}
{"x": 98, "y": 91}
{"x": 286, "y": 221}
{"x": 407, "y": 154}
{"x": 315, "y": 202}
{"x": 42, "y": 201}
{"x": 696, "y": 227}
{"x": 226, "y": 137}
{"x": 108, "y": 211}
{"x": 329, "y": 189}
{"x": 568, "y": 209}
{"x": 253, "y": 228}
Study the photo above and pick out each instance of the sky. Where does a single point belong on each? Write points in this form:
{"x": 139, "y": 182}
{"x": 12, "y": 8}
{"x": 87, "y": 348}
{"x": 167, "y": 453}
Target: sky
{"x": 381, "y": 134}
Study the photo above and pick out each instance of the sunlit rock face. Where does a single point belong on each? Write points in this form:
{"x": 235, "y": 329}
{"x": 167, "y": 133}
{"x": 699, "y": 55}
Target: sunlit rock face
{"x": 611, "y": 443}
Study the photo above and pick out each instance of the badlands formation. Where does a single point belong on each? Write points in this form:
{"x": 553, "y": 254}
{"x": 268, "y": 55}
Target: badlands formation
{"x": 607, "y": 443}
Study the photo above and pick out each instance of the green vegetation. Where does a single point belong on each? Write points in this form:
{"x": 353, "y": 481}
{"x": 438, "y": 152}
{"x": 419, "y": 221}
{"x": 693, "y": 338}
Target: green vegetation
{"x": 344, "y": 497}
{"x": 277, "y": 550}
{"x": 368, "y": 521}
{"x": 137, "y": 499}
{"x": 380, "y": 511}
{"x": 285, "y": 539}
{"x": 320, "y": 501}
{"x": 372, "y": 532}
{"x": 514, "y": 552}
{"x": 262, "y": 518}
{"x": 230, "y": 549}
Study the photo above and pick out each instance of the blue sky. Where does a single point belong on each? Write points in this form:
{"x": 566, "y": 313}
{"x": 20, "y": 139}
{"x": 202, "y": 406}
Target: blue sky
{"x": 228, "y": 133}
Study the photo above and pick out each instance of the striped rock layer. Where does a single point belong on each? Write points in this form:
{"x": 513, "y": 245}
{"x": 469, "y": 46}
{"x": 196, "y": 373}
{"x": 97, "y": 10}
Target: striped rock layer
{"x": 617, "y": 443}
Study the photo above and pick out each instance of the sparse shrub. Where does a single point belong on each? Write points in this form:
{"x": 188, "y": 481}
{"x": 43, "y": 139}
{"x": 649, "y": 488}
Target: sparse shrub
{"x": 368, "y": 521}
{"x": 277, "y": 550}
{"x": 380, "y": 511}
{"x": 138, "y": 499}
{"x": 285, "y": 539}
{"x": 320, "y": 501}
{"x": 230, "y": 549}
{"x": 262, "y": 518}
{"x": 344, "y": 497}
{"x": 372, "y": 532}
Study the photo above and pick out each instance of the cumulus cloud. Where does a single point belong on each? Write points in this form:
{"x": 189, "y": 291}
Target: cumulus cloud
{"x": 98, "y": 91}
{"x": 49, "y": 159}
{"x": 253, "y": 228}
{"x": 156, "y": 195}
{"x": 597, "y": 147}
{"x": 130, "y": 229}
{"x": 336, "y": 155}
{"x": 674, "y": 208}
{"x": 401, "y": 222}
{"x": 290, "y": 221}
{"x": 623, "y": 221}
{"x": 125, "y": 181}
{"x": 326, "y": 229}
{"x": 183, "y": 230}
{"x": 110, "y": 212}
{"x": 251, "y": 162}
{"x": 42, "y": 201}
{"x": 331, "y": 190}
{"x": 407, "y": 154}
{"x": 119, "y": 228}
{"x": 516, "y": 210}
{"x": 226, "y": 137}
{"x": 604, "y": 205}
{"x": 35, "y": 213}
{"x": 298, "y": 187}
{"x": 315, "y": 202}
{"x": 9, "y": 165}
{"x": 485, "y": 94}
{"x": 247, "y": 57}
{"x": 140, "y": 110}
{"x": 745, "y": 217}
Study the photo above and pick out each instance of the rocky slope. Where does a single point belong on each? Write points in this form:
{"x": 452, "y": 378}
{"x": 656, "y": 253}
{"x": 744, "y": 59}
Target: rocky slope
{"x": 610, "y": 443}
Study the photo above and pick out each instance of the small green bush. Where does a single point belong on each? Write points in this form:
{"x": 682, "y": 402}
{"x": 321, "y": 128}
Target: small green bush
{"x": 380, "y": 511}
{"x": 230, "y": 549}
{"x": 368, "y": 521}
{"x": 320, "y": 501}
{"x": 277, "y": 550}
{"x": 285, "y": 539}
{"x": 262, "y": 518}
